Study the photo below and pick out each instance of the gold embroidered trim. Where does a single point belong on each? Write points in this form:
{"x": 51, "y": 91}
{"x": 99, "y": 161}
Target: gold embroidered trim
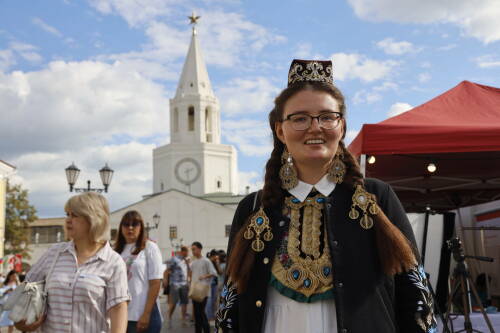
{"x": 312, "y": 274}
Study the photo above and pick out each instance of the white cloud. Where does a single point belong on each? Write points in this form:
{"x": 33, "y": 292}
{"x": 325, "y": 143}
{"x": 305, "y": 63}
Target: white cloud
{"x": 305, "y": 51}
{"x": 373, "y": 95}
{"x": 226, "y": 39}
{"x": 7, "y": 60}
{"x": 251, "y": 137}
{"x": 357, "y": 66}
{"x": 43, "y": 174}
{"x": 46, "y": 27}
{"x": 252, "y": 179}
{"x": 9, "y": 56}
{"x": 387, "y": 85}
{"x": 79, "y": 104}
{"x": 476, "y": 18}
{"x": 26, "y": 51}
{"x": 367, "y": 97}
{"x": 247, "y": 96}
{"x": 398, "y": 108}
{"x": 392, "y": 47}
{"x": 487, "y": 61}
{"x": 134, "y": 12}
{"x": 424, "y": 77}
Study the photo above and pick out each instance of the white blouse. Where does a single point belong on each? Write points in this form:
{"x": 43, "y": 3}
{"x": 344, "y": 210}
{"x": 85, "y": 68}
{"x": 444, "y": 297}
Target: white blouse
{"x": 283, "y": 314}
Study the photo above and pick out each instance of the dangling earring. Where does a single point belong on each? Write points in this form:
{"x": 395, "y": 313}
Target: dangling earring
{"x": 288, "y": 173}
{"x": 336, "y": 172}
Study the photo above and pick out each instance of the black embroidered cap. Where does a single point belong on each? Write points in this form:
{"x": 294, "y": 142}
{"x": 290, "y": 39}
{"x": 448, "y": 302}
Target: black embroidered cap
{"x": 310, "y": 70}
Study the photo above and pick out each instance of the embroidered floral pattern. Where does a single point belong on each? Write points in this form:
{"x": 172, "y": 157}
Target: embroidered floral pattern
{"x": 228, "y": 298}
{"x": 282, "y": 253}
{"x": 425, "y": 308}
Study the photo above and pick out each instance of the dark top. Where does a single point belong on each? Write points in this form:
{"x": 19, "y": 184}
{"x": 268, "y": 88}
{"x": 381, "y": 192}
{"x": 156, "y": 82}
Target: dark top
{"x": 366, "y": 299}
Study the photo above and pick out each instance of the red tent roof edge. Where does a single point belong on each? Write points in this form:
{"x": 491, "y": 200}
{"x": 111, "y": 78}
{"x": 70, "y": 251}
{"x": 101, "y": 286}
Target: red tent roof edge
{"x": 413, "y": 132}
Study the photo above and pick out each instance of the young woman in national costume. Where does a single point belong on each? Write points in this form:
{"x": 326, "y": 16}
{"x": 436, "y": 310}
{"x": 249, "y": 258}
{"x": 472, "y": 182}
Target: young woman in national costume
{"x": 320, "y": 248}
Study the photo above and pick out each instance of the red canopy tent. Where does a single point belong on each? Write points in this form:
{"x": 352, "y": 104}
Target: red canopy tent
{"x": 458, "y": 131}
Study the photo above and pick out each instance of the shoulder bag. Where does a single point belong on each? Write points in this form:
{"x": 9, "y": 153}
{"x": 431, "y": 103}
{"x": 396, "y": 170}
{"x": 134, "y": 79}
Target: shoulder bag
{"x": 28, "y": 301}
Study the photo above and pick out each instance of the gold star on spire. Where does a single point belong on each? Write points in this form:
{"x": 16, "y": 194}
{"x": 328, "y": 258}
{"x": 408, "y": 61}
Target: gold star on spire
{"x": 193, "y": 19}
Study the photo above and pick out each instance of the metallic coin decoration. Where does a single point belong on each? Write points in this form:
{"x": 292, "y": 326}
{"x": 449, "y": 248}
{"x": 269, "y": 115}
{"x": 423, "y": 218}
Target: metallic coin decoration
{"x": 366, "y": 222}
{"x": 257, "y": 245}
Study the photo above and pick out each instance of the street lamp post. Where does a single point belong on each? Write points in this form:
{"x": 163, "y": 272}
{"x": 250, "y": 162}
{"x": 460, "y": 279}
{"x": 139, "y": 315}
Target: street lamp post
{"x": 72, "y": 173}
{"x": 156, "y": 223}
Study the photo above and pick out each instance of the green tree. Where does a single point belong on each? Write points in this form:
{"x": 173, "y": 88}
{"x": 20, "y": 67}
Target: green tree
{"x": 19, "y": 214}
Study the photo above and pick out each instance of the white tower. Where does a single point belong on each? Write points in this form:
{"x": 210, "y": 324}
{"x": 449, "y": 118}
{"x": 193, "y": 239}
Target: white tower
{"x": 195, "y": 161}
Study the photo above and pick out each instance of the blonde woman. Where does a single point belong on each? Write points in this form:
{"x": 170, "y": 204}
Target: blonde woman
{"x": 87, "y": 290}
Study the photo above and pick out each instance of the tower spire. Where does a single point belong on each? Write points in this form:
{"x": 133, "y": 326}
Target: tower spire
{"x": 194, "y": 78}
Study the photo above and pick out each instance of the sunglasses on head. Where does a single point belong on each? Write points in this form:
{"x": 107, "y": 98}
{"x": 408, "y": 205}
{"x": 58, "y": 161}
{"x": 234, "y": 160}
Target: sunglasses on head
{"x": 134, "y": 224}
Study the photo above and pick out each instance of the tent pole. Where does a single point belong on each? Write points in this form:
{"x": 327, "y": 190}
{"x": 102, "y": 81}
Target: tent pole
{"x": 426, "y": 230}
{"x": 362, "y": 164}
{"x": 483, "y": 250}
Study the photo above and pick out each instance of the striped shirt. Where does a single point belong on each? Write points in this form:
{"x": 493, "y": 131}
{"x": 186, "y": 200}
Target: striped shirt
{"x": 79, "y": 297}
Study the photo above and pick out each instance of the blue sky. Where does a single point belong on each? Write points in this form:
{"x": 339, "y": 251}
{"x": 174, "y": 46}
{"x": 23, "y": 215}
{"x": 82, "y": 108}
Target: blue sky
{"x": 89, "y": 81}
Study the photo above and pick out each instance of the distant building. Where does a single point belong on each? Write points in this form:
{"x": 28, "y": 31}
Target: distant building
{"x": 5, "y": 171}
{"x": 43, "y": 234}
{"x": 195, "y": 177}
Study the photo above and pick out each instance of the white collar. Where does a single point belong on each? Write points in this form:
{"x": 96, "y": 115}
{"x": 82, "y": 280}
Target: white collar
{"x": 302, "y": 190}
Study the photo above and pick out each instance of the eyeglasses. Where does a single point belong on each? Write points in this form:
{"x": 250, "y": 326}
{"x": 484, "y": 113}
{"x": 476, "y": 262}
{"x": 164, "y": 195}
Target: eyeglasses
{"x": 302, "y": 121}
{"x": 133, "y": 224}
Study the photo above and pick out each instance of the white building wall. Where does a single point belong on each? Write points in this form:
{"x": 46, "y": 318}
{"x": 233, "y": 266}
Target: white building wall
{"x": 216, "y": 161}
{"x": 196, "y": 220}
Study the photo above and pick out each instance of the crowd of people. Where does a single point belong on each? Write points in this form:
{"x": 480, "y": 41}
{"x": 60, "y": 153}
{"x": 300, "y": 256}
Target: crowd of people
{"x": 183, "y": 272}
{"x": 115, "y": 284}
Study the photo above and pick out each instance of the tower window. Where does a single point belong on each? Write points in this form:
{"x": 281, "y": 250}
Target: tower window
{"x": 219, "y": 184}
{"x": 162, "y": 187}
{"x": 176, "y": 120}
{"x": 208, "y": 124}
{"x": 191, "y": 118}
{"x": 227, "y": 230}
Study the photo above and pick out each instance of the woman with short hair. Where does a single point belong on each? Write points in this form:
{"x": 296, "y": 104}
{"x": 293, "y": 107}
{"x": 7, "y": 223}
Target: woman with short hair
{"x": 144, "y": 273}
{"x": 87, "y": 289}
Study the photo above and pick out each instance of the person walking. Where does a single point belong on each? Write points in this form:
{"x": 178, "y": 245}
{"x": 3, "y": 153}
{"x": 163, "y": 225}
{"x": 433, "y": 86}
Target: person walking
{"x": 210, "y": 309}
{"x": 9, "y": 284}
{"x": 178, "y": 272}
{"x": 202, "y": 271}
{"x": 144, "y": 273}
{"x": 87, "y": 290}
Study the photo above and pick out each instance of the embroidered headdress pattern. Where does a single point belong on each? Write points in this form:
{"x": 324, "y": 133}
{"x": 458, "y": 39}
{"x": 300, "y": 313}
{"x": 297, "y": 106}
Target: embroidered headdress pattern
{"x": 310, "y": 70}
